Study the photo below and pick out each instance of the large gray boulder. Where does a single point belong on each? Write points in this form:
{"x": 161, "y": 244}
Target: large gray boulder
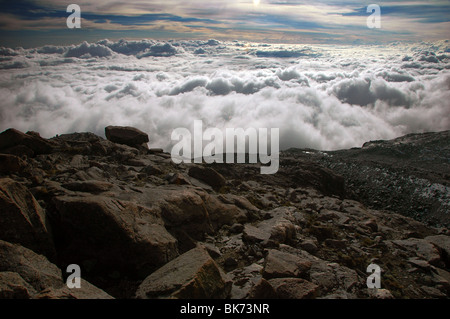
{"x": 22, "y": 219}
{"x": 25, "y": 274}
{"x": 126, "y": 135}
{"x": 113, "y": 235}
{"x": 193, "y": 275}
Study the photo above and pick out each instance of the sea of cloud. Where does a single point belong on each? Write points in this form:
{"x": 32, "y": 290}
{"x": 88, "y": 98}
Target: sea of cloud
{"x": 322, "y": 97}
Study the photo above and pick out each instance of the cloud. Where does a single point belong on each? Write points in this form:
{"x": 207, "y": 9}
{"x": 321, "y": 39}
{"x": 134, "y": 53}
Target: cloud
{"x": 329, "y": 98}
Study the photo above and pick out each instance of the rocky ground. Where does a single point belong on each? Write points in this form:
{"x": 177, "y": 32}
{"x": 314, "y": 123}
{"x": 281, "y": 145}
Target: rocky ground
{"x": 141, "y": 226}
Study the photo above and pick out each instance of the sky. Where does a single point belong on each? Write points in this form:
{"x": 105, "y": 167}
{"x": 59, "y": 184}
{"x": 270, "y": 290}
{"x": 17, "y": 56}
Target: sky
{"x": 32, "y": 23}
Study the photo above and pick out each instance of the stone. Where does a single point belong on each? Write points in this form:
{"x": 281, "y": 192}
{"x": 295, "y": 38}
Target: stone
{"x": 126, "y": 135}
{"x": 280, "y": 264}
{"x": 12, "y": 137}
{"x": 221, "y": 213}
{"x": 309, "y": 245}
{"x": 118, "y": 235}
{"x": 13, "y": 286}
{"x": 442, "y": 242}
{"x": 207, "y": 175}
{"x": 86, "y": 291}
{"x": 262, "y": 290}
{"x": 421, "y": 248}
{"x": 33, "y": 268}
{"x": 294, "y": 288}
{"x": 89, "y": 186}
{"x": 22, "y": 219}
{"x": 193, "y": 275}
{"x": 380, "y": 294}
{"x": 10, "y": 164}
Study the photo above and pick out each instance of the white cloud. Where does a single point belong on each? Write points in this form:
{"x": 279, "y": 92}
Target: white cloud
{"x": 327, "y": 98}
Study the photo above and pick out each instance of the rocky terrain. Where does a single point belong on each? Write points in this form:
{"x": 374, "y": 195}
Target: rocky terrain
{"x": 140, "y": 226}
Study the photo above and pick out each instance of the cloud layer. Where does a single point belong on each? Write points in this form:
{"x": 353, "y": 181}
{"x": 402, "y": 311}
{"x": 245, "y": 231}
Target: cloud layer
{"x": 323, "y": 97}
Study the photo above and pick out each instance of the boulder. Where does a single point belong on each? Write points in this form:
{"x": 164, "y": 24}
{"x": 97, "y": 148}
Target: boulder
{"x": 86, "y": 291}
{"x": 193, "y": 275}
{"x": 126, "y": 135}
{"x": 10, "y": 164}
{"x": 12, "y": 137}
{"x": 280, "y": 264}
{"x": 90, "y": 186}
{"x": 22, "y": 219}
{"x": 294, "y": 288}
{"x": 34, "y": 269}
{"x": 442, "y": 242}
{"x": 13, "y": 286}
{"x": 25, "y": 274}
{"x": 114, "y": 235}
{"x": 208, "y": 175}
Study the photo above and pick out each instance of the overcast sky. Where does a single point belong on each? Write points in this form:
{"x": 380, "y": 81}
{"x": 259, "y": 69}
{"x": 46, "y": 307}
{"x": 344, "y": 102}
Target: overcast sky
{"x": 30, "y": 23}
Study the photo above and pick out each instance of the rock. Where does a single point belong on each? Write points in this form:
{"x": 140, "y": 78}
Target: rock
{"x": 332, "y": 276}
{"x": 442, "y": 242}
{"x": 380, "y": 294}
{"x": 208, "y": 175}
{"x": 91, "y": 186}
{"x": 86, "y": 291}
{"x": 22, "y": 220}
{"x": 13, "y": 286}
{"x": 35, "y": 269}
{"x": 420, "y": 248}
{"x": 236, "y": 228}
{"x": 25, "y": 274}
{"x": 117, "y": 235}
{"x": 193, "y": 275}
{"x": 280, "y": 264}
{"x": 11, "y": 164}
{"x": 152, "y": 170}
{"x": 252, "y": 234}
{"x": 221, "y": 213}
{"x": 262, "y": 290}
{"x": 309, "y": 245}
{"x": 12, "y": 138}
{"x": 183, "y": 209}
{"x": 274, "y": 231}
{"x": 178, "y": 179}
{"x": 126, "y": 135}
{"x": 294, "y": 288}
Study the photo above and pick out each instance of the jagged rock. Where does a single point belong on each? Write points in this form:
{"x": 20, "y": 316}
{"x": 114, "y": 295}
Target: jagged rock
{"x": 12, "y": 138}
{"x": 178, "y": 179}
{"x": 262, "y": 290}
{"x": 221, "y": 213}
{"x": 13, "y": 286}
{"x": 294, "y": 288}
{"x": 309, "y": 245}
{"x": 89, "y": 186}
{"x": 22, "y": 220}
{"x": 193, "y": 275}
{"x": 280, "y": 264}
{"x": 30, "y": 275}
{"x": 117, "y": 235}
{"x": 11, "y": 164}
{"x": 126, "y": 135}
{"x": 208, "y": 175}
{"x": 184, "y": 209}
{"x": 86, "y": 291}
{"x": 35, "y": 269}
{"x": 380, "y": 294}
{"x": 442, "y": 242}
{"x": 420, "y": 248}
{"x": 274, "y": 231}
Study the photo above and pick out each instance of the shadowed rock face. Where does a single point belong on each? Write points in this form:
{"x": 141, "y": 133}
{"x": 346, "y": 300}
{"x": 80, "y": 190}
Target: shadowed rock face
{"x": 409, "y": 175}
{"x": 126, "y": 135}
{"x": 140, "y": 226}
